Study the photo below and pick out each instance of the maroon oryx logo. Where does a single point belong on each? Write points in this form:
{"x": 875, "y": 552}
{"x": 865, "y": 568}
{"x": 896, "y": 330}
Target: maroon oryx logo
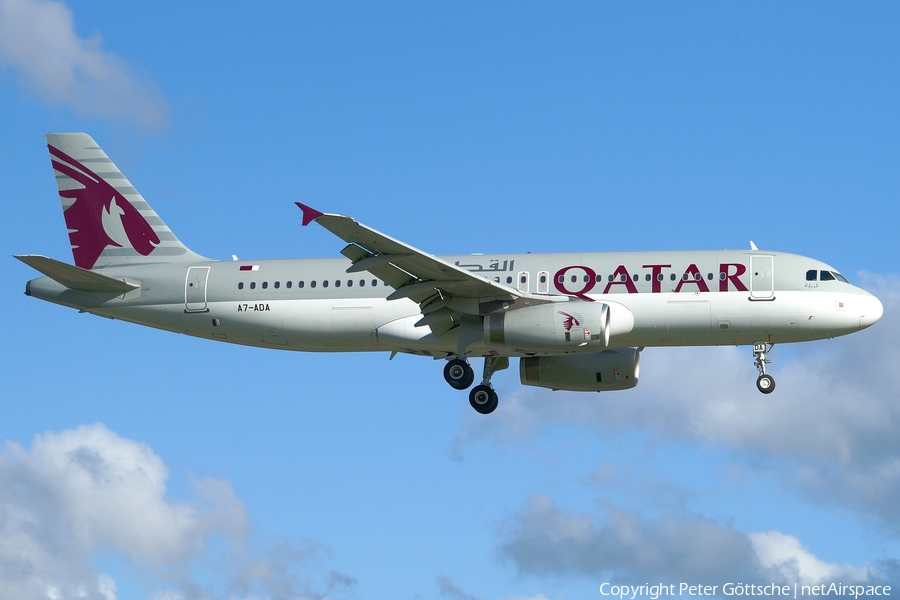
{"x": 100, "y": 215}
{"x": 570, "y": 322}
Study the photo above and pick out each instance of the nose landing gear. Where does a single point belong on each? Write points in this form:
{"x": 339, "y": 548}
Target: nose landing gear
{"x": 764, "y": 383}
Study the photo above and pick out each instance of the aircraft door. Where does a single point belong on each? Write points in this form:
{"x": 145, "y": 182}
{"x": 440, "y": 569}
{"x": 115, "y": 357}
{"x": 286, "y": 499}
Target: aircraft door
{"x": 762, "y": 277}
{"x": 543, "y": 285}
{"x": 522, "y": 284}
{"x": 195, "y": 289}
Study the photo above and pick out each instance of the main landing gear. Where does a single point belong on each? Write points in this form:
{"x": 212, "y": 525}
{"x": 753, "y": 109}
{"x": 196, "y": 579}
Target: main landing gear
{"x": 764, "y": 383}
{"x": 459, "y": 375}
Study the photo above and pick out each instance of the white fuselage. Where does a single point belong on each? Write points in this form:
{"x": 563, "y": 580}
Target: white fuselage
{"x": 654, "y": 298}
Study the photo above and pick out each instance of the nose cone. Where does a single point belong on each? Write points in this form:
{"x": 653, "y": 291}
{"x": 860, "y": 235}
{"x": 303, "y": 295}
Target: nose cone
{"x": 871, "y": 310}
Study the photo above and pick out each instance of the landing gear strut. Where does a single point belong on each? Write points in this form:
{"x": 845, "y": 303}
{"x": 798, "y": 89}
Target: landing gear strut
{"x": 764, "y": 383}
{"x": 459, "y": 374}
{"x": 483, "y": 398}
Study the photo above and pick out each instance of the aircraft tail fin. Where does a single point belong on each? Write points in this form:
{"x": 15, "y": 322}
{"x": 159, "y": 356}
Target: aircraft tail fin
{"x": 109, "y": 222}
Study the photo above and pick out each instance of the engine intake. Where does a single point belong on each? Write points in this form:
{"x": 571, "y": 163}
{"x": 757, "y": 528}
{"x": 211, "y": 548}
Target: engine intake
{"x": 614, "y": 369}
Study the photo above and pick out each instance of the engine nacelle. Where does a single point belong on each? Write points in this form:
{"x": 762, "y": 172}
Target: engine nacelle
{"x": 554, "y": 327}
{"x": 614, "y": 369}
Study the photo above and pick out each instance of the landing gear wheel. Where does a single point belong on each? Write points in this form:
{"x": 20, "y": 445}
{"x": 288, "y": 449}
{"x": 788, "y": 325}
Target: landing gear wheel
{"x": 765, "y": 384}
{"x": 459, "y": 374}
{"x": 483, "y": 399}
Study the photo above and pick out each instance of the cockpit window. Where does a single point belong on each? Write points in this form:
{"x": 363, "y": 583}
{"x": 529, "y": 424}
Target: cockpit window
{"x": 812, "y": 275}
{"x": 826, "y": 276}
{"x": 840, "y": 277}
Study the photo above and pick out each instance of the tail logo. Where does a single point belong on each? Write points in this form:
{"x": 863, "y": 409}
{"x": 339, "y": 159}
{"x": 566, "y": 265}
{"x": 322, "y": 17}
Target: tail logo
{"x": 100, "y": 216}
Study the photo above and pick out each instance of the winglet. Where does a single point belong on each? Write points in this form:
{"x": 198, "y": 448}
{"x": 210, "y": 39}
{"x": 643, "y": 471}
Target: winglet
{"x": 309, "y": 214}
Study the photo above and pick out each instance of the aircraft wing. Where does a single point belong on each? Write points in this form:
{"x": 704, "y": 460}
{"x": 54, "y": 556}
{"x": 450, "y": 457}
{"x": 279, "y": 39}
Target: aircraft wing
{"x": 443, "y": 290}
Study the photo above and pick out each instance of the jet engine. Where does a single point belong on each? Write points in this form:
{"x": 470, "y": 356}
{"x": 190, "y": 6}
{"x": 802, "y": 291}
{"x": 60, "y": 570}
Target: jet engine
{"x": 554, "y": 327}
{"x": 613, "y": 369}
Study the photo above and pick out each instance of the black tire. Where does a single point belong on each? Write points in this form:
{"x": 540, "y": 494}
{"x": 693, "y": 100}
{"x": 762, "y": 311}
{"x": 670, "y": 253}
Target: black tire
{"x": 765, "y": 384}
{"x": 459, "y": 374}
{"x": 483, "y": 399}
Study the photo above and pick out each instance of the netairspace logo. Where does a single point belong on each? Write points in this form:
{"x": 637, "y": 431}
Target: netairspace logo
{"x": 795, "y": 591}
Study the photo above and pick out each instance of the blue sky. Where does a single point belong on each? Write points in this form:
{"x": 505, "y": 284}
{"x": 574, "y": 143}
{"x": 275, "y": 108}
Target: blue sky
{"x": 142, "y": 464}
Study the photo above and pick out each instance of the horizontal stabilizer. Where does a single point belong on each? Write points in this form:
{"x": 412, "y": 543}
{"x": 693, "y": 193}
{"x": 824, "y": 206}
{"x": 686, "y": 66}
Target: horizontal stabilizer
{"x": 76, "y": 278}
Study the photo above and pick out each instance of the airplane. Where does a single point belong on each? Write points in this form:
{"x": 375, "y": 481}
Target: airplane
{"x": 576, "y": 322}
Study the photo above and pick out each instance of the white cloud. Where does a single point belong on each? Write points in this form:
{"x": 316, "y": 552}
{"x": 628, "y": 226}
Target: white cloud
{"x": 87, "y": 488}
{"x": 546, "y": 540}
{"x": 785, "y": 558}
{"x": 620, "y": 545}
{"x": 38, "y": 39}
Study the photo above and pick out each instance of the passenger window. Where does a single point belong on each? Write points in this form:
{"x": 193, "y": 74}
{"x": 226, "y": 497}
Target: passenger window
{"x": 522, "y": 279}
{"x": 647, "y": 277}
{"x": 623, "y": 277}
{"x": 509, "y": 280}
{"x": 722, "y": 276}
{"x": 241, "y": 285}
{"x": 635, "y": 277}
{"x": 374, "y": 282}
{"x": 300, "y": 284}
{"x": 586, "y": 278}
{"x": 543, "y": 279}
{"x": 265, "y": 284}
{"x": 826, "y": 276}
{"x": 697, "y": 276}
{"x": 496, "y": 279}
{"x": 709, "y": 276}
{"x": 312, "y": 283}
{"x": 672, "y": 277}
{"x": 288, "y": 284}
{"x": 611, "y": 278}
{"x": 362, "y": 283}
{"x": 324, "y": 283}
{"x": 349, "y": 283}
{"x": 685, "y": 277}
{"x": 337, "y": 283}
{"x": 811, "y": 275}
{"x": 252, "y": 285}
{"x": 599, "y": 278}
{"x": 277, "y": 284}
{"x": 659, "y": 277}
